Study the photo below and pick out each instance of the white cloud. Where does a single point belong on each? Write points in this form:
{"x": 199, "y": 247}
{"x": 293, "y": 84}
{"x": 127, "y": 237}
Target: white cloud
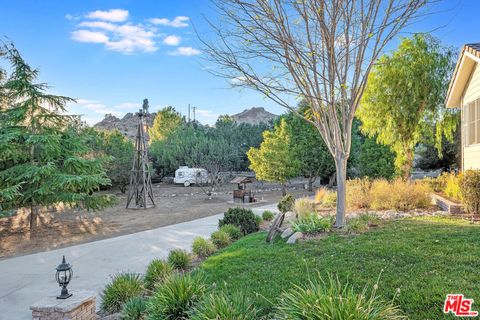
{"x": 178, "y": 22}
{"x": 89, "y": 36}
{"x": 93, "y": 111}
{"x": 206, "y": 116}
{"x": 125, "y": 38}
{"x": 113, "y": 15}
{"x": 116, "y": 32}
{"x": 185, "y": 51}
{"x": 172, "y": 40}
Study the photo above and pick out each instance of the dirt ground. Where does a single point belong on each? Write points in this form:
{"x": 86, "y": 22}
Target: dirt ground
{"x": 174, "y": 204}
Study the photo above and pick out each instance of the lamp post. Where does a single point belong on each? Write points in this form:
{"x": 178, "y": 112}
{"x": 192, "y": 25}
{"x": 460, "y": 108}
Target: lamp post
{"x": 63, "y": 276}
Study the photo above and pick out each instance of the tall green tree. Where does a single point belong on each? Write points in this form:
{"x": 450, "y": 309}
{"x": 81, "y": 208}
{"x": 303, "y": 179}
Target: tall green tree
{"x": 403, "y": 103}
{"x": 43, "y": 160}
{"x": 308, "y": 147}
{"x": 166, "y": 121}
{"x": 273, "y": 161}
{"x": 118, "y": 151}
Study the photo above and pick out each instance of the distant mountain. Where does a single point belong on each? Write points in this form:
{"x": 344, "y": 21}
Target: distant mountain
{"x": 128, "y": 124}
{"x": 254, "y": 115}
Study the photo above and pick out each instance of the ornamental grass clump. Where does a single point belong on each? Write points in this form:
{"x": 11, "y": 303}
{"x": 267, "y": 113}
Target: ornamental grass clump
{"x": 268, "y": 215}
{"x": 176, "y": 298}
{"x": 358, "y": 193}
{"x": 202, "y": 247}
{"x": 157, "y": 272}
{"x": 223, "y": 307}
{"x": 399, "y": 195}
{"x": 313, "y": 224}
{"x": 319, "y": 299}
{"x": 179, "y": 259}
{"x": 134, "y": 309}
{"x": 233, "y": 231}
{"x": 303, "y": 207}
{"x": 220, "y": 239}
{"x": 362, "y": 223}
{"x": 121, "y": 288}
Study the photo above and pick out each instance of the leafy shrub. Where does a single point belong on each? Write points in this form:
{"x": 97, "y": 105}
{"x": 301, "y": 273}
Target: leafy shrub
{"x": 232, "y": 230}
{"x": 134, "y": 309}
{"x": 358, "y": 193}
{"x": 221, "y": 306}
{"x": 175, "y": 298}
{"x": 332, "y": 300}
{"x": 470, "y": 190}
{"x": 157, "y": 272}
{"x": 448, "y": 184}
{"x": 179, "y": 259}
{"x": 362, "y": 222}
{"x": 313, "y": 223}
{"x": 303, "y": 207}
{"x": 122, "y": 287}
{"x": 220, "y": 239}
{"x": 242, "y": 218}
{"x": 268, "y": 215}
{"x": 286, "y": 203}
{"x": 203, "y": 247}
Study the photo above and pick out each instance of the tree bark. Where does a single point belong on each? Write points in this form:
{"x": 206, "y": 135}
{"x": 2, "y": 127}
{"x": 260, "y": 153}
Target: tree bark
{"x": 33, "y": 219}
{"x": 341, "y": 167}
{"x": 310, "y": 183}
{"x": 408, "y": 164}
{"x": 284, "y": 190}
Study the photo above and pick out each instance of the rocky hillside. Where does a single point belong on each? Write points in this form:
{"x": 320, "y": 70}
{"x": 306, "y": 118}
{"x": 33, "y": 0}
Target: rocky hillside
{"x": 128, "y": 124}
{"x": 254, "y": 115}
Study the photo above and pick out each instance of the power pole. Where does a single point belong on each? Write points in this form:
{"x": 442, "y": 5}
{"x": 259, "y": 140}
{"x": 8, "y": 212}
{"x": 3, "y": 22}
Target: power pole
{"x": 189, "y": 113}
{"x": 194, "y": 109}
{"x": 140, "y": 186}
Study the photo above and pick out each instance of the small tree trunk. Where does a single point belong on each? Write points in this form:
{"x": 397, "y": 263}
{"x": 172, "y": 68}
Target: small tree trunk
{"x": 33, "y": 219}
{"x": 341, "y": 167}
{"x": 408, "y": 164}
{"x": 310, "y": 183}
{"x": 284, "y": 190}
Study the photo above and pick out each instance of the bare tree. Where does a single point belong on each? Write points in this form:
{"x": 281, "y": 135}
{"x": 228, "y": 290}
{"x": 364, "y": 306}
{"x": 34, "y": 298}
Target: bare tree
{"x": 318, "y": 50}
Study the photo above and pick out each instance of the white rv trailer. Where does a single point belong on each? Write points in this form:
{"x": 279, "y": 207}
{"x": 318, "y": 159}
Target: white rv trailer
{"x": 187, "y": 176}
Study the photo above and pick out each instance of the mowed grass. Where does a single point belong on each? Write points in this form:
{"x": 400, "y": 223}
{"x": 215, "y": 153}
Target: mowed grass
{"x": 424, "y": 258}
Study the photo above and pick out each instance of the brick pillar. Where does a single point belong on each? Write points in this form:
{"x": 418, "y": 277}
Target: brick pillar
{"x": 80, "y": 306}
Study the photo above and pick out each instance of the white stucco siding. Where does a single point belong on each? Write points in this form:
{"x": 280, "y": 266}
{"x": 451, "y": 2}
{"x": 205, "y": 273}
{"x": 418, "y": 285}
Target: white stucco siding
{"x": 471, "y": 154}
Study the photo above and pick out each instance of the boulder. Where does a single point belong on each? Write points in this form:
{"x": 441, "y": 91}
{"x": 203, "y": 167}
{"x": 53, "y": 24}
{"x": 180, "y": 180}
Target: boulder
{"x": 295, "y": 237}
{"x": 287, "y": 233}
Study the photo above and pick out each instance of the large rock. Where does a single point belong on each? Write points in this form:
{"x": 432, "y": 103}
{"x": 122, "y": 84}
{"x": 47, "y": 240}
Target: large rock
{"x": 295, "y": 237}
{"x": 287, "y": 233}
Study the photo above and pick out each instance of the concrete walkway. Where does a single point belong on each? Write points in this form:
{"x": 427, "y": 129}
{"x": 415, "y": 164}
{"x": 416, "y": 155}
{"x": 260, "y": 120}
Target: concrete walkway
{"x": 27, "y": 279}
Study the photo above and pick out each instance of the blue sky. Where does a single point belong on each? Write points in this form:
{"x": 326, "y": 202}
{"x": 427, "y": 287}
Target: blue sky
{"x": 111, "y": 54}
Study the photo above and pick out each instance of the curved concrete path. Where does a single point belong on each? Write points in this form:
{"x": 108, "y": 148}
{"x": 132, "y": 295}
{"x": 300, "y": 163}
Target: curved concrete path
{"x": 27, "y": 279}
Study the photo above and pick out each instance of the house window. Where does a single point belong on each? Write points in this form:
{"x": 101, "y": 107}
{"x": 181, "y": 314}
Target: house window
{"x": 473, "y": 122}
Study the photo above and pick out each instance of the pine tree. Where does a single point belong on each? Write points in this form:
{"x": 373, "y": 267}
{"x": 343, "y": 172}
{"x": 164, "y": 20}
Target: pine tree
{"x": 43, "y": 160}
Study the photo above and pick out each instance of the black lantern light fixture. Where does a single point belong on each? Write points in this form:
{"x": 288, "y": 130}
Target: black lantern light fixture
{"x": 63, "y": 276}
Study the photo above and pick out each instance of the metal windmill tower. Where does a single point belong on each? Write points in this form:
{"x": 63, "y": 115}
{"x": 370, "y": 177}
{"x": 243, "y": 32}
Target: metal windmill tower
{"x": 140, "y": 187}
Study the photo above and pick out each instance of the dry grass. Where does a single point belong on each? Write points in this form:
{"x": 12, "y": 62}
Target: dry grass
{"x": 358, "y": 193}
{"x": 303, "y": 207}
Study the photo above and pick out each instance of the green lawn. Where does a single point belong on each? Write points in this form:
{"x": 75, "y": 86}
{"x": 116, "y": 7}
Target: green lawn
{"x": 426, "y": 258}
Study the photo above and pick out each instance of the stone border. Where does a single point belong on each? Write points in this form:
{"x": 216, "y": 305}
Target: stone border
{"x": 447, "y": 205}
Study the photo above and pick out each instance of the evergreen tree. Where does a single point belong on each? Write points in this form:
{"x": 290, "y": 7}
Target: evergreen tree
{"x": 274, "y": 160}
{"x": 43, "y": 159}
{"x": 166, "y": 121}
{"x": 308, "y": 147}
{"x": 118, "y": 151}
